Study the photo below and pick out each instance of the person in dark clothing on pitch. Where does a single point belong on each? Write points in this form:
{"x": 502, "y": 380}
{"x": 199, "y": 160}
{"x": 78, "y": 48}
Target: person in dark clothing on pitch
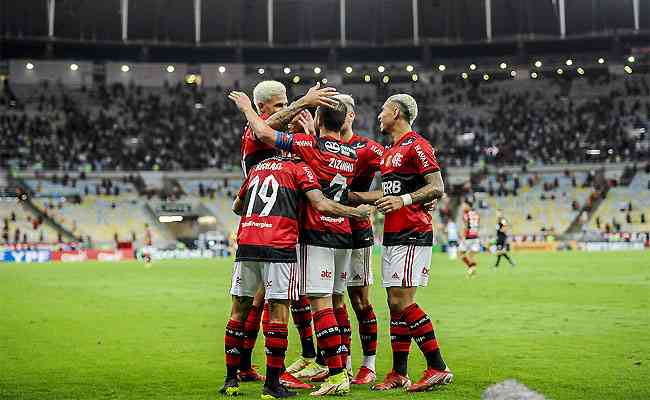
{"x": 502, "y": 240}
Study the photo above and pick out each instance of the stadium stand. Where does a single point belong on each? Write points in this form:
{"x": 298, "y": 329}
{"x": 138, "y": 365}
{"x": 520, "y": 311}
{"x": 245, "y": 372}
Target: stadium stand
{"x": 20, "y": 226}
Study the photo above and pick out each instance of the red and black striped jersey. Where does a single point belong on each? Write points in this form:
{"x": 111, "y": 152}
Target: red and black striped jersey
{"x": 334, "y": 164}
{"x": 272, "y": 192}
{"x": 369, "y": 154}
{"x": 403, "y": 168}
{"x": 252, "y": 150}
{"x": 472, "y": 221}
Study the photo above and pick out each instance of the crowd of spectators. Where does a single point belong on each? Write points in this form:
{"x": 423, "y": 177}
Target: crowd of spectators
{"x": 182, "y": 127}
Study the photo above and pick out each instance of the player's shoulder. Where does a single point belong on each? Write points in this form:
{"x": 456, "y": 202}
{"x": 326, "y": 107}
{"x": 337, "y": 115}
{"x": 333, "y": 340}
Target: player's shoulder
{"x": 363, "y": 144}
{"x": 303, "y": 140}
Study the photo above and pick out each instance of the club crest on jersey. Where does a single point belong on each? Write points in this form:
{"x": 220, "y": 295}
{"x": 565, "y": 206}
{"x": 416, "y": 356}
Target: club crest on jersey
{"x": 397, "y": 160}
{"x": 408, "y": 141}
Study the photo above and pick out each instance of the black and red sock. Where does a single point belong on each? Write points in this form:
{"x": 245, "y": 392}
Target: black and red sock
{"x": 302, "y": 318}
{"x": 251, "y": 329}
{"x": 343, "y": 321}
{"x": 328, "y": 338}
{"x": 421, "y": 330}
{"x": 400, "y": 342}
{"x": 368, "y": 331}
{"x": 275, "y": 343}
{"x": 233, "y": 341}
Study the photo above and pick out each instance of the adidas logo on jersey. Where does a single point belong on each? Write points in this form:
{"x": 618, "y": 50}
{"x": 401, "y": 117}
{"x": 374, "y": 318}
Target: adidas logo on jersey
{"x": 233, "y": 351}
{"x": 425, "y": 271}
{"x": 357, "y": 277}
{"x": 395, "y": 276}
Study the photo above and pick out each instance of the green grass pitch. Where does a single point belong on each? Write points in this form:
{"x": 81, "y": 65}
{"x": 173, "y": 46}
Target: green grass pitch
{"x": 570, "y": 325}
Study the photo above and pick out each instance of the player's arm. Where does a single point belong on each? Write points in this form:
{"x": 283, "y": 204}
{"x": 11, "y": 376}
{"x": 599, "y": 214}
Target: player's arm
{"x": 365, "y": 197}
{"x": 261, "y": 130}
{"x": 331, "y": 208}
{"x": 238, "y": 206}
{"x": 434, "y": 189}
{"x": 315, "y": 97}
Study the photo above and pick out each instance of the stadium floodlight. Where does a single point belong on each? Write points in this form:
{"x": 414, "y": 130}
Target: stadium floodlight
{"x": 29, "y": 66}
{"x": 442, "y": 68}
{"x": 486, "y": 77}
{"x": 414, "y": 77}
{"x": 125, "y": 68}
{"x": 538, "y": 64}
{"x": 348, "y": 69}
{"x": 593, "y": 152}
{"x": 381, "y": 68}
{"x": 260, "y": 71}
{"x": 534, "y": 75}
{"x": 170, "y": 69}
{"x": 513, "y": 73}
{"x": 409, "y": 68}
{"x": 74, "y": 67}
{"x": 503, "y": 65}
{"x": 170, "y": 218}
{"x": 581, "y": 71}
{"x": 472, "y": 67}
{"x": 385, "y": 79}
{"x": 287, "y": 70}
{"x": 631, "y": 59}
{"x": 317, "y": 70}
{"x": 296, "y": 79}
{"x": 601, "y": 60}
{"x": 569, "y": 62}
{"x": 560, "y": 71}
{"x": 222, "y": 69}
{"x": 324, "y": 80}
{"x": 628, "y": 69}
{"x": 464, "y": 75}
{"x": 366, "y": 78}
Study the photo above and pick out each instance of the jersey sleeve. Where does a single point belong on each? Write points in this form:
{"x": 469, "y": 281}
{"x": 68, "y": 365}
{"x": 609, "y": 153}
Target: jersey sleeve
{"x": 376, "y": 152}
{"x": 305, "y": 178}
{"x": 303, "y": 146}
{"x": 424, "y": 157}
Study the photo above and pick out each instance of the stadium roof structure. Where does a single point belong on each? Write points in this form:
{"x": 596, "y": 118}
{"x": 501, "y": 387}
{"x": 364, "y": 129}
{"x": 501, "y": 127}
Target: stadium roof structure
{"x": 343, "y": 30}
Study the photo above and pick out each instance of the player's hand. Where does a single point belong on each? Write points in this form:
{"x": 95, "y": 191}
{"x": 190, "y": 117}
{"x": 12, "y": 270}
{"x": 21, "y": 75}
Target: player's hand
{"x": 364, "y": 211}
{"x": 388, "y": 204}
{"x": 307, "y": 122}
{"x": 241, "y": 100}
{"x": 317, "y": 96}
{"x": 430, "y": 206}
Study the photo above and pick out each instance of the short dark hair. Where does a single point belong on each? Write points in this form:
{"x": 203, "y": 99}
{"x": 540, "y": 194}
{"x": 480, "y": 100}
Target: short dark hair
{"x": 333, "y": 118}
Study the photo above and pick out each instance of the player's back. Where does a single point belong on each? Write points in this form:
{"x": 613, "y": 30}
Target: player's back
{"x": 271, "y": 194}
{"x": 334, "y": 164}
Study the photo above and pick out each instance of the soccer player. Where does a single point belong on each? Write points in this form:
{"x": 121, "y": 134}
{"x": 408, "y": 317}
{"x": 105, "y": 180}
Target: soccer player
{"x": 325, "y": 241}
{"x": 502, "y": 240}
{"x": 270, "y": 98}
{"x": 269, "y": 202}
{"x": 410, "y": 178}
{"x": 148, "y": 243}
{"x": 369, "y": 154}
{"x": 471, "y": 243}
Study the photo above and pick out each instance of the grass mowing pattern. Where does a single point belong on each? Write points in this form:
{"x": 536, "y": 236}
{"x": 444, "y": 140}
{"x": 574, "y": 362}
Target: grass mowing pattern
{"x": 570, "y": 325}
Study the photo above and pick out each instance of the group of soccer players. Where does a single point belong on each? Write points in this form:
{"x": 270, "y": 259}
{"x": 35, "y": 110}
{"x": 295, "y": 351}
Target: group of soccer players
{"x": 305, "y": 238}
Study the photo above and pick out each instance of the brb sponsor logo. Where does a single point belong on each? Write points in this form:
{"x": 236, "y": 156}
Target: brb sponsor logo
{"x": 391, "y": 187}
{"x": 325, "y": 274}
